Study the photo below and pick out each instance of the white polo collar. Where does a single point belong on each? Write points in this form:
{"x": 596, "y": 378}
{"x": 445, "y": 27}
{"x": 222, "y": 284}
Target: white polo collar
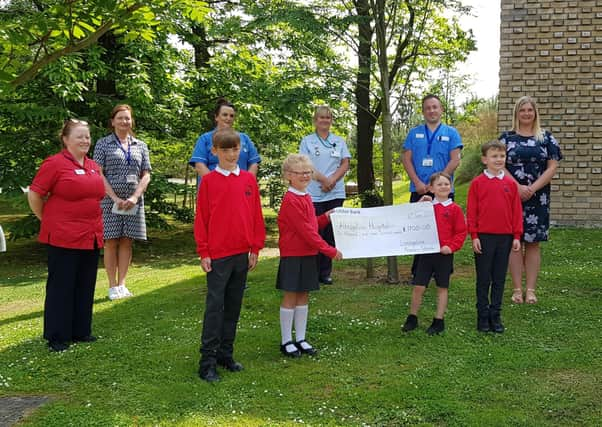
{"x": 491, "y": 176}
{"x": 444, "y": 203}
{"x": 227, "y": 172}
{"x": 297, "y": 192}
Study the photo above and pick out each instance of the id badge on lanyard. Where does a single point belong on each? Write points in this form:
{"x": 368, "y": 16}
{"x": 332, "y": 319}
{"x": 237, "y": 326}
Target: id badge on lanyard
{"x": 428, "y": 162}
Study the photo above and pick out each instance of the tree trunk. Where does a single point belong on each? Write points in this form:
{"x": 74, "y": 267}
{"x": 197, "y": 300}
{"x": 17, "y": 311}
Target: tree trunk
{"x": 107, "y": 86}
{"x": 201, "y": 47}
{"x": 387, "y": 122}
{"x": 365, "y": 120}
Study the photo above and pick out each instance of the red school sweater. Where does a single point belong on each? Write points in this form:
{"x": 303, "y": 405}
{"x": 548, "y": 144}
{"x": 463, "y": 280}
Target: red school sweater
{"x": 298, "y": 227}
{"x": 228, "y": 218}
{"x": 494, "y": 207}
{"x": 451, "y": 225}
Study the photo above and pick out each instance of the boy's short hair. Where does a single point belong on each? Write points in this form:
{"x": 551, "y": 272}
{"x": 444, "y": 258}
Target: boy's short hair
{"x": 492, "y": 145}
{"x": 434, "y": 177}
{"x": 226, "y": 138}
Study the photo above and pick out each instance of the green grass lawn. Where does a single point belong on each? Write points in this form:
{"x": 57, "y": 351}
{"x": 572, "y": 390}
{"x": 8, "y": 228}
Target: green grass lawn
{"x": 544, "y": 370}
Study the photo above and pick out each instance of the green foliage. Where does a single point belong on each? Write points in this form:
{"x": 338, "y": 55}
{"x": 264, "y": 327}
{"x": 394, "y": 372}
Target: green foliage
{"x": 35, "y": 35}
{"x": 158, "y": 206}
{"x": 478, "y": 124}
{"x": 23, "y": 228}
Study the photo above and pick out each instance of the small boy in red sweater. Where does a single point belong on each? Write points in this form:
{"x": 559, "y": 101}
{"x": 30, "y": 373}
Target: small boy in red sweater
{"x": 451, "y": 228}
{"x": 495, "y": 223}
{"x": 229, "y": 233}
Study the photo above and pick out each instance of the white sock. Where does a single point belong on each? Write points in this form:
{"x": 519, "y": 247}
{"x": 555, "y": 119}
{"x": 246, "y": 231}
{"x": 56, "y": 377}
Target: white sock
{"x": 300, "y": 322}
{"x": 286, "y": 324}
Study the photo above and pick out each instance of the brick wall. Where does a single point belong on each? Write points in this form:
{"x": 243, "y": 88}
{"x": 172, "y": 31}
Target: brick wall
{"x": 552, "y": 50}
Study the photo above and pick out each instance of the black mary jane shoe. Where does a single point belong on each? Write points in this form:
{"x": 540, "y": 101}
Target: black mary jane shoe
{"x": 309, "y": 351}
{"x": 326, "y": 280}
{"x": 294, "y": 353}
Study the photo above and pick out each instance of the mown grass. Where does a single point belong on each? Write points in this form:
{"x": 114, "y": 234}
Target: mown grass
{"x": 544, "y": 370}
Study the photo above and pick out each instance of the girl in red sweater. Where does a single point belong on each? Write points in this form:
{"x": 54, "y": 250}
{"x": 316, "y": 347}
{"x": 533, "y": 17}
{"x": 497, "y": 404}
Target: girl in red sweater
{"x": 451, "y": 228}
{"x": 299, "y": 244}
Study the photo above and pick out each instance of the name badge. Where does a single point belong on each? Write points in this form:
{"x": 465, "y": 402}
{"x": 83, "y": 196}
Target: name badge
{"x": 445, "y": 138}
{"x": 427, "y": 162}
{"x": 335, "y": 153}
{"x": 80, "y": 172}
{"x": 419, "y": 135}
{"x": 131, "y": 179}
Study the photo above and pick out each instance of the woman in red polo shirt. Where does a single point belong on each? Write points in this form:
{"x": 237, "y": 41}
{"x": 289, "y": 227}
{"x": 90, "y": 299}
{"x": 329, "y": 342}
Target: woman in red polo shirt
{"x": 65, "y": 195}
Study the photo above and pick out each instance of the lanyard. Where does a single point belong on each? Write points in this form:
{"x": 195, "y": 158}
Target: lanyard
{"x": 128, "y": 153}
{"x": 325, "y": 142}
{"x": 430, "y": 137}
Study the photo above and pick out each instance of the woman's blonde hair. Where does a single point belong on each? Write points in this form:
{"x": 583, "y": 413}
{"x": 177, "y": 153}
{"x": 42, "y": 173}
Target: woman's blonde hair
{"x": 537, "y": 130}
{"x": 293, "y": 160}
{"x": 322, "y": 110}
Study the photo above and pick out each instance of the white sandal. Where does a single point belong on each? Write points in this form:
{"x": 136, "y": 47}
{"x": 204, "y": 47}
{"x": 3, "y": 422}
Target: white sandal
{"x": 517, "y": 296}
{"x": 531, "y": 298}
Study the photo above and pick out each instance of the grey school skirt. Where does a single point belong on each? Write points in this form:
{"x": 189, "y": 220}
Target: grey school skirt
{"x": 298, "y": 274}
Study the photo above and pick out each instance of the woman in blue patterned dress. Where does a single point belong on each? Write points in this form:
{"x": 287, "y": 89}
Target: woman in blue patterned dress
{"x": 532, "y": 159}
{"x": 126, "y": 169}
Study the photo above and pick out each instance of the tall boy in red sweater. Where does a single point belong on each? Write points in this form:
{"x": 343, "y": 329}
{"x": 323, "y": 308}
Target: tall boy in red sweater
{"x": 229, "y": 233}
{"x": 495, "y": 223}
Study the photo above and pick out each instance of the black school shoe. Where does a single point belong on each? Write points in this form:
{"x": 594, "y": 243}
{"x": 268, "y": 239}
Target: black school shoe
{"x": 495, "y": 324}
{"x": 58, "y": 346}
{"x": 436, "y": 327}
{"x": 410, "y": 324}
{"x": 230, "y": 364}
{"x": 209, "y": 373}
{"x": 483, "y": 324}
{"x": 309, "y": 351}
{"x": 87, "y": 338}
{"x": 294, "y": 353}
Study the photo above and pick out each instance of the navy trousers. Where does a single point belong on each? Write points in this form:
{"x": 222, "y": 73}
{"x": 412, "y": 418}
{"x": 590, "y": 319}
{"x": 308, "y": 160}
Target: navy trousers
{"x": 324, "y": 262}
{"x": 69, "y": 293}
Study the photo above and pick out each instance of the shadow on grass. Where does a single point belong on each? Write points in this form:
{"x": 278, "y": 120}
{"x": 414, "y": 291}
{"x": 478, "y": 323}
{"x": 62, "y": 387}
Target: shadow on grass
{"x": 143, "y": 368}
{"x": 142, "y": 371}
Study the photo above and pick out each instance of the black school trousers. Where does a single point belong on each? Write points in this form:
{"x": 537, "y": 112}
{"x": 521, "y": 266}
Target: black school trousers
{"x": 225, "y": 290}
{"x": 491, "y": 267}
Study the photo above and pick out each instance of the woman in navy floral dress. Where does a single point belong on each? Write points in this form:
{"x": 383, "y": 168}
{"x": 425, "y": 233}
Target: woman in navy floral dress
{"x": 532, "y": 159}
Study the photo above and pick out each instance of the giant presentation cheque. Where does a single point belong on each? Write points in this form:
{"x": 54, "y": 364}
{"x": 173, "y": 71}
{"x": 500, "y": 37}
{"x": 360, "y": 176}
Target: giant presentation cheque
{"x": 405, "y": 229}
